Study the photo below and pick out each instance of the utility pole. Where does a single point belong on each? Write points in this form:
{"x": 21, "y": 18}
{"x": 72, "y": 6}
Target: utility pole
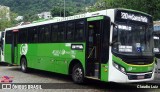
{"x": 64, "y": 8}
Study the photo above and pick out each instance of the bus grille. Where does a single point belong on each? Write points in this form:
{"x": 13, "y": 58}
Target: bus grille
{"x": 138, "y": 77}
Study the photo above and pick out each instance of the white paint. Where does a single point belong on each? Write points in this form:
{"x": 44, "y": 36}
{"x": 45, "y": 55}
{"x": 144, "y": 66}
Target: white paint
{"x": 58, "y": 53}
{"x": 124, "y": 27}
{"x": 77, "y": 46}
{"x": 156, "y": 37}
{"x": 68, "y": 44}
{"x": 123, "y": 48}
{"x": 55, "y": 20}
{"x": 114, "y": 74}
{"x": 156, "y": 49}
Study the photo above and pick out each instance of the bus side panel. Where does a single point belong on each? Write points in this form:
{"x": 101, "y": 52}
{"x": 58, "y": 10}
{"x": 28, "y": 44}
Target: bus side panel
{"x": 54, "y": 57}
{"x": 57, "y": 57}
{"x": 71, "y": 54}
{"x": 19, "y": 55}
{"x": 58, "y": 53}
{"x": 31, "y": 54}
{"x": 104, "y": 72}
{"x": 32, "y": 59}
{"x": 44, "y": 53}
{"x": 8, "y": 53}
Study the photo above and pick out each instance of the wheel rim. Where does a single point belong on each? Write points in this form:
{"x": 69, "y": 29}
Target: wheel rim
{"x": 78, "y": 74}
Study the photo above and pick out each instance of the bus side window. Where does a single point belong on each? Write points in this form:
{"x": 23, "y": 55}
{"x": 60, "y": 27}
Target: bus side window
{"x": 41, "y": 34}
{"x": 54, "y": 34}
{"x": 79, "y": 32}
{"x": 33, "y": 35}
{"x": 44, "y": 34}
{"x": 8, "y": 37}
{"x": 23, "y": 36}
{"x": 70, "y": 31}
{"x": 61, "y": 32}
{"x": 47, "y": 33}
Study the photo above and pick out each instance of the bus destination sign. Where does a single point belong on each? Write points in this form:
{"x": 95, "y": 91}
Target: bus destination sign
{"x": 134, "y": 17}
{"x": 123, "y": 15}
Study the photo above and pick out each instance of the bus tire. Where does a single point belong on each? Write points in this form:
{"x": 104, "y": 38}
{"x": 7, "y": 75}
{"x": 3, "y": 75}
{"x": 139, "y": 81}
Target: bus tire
{"x": 24, "y": 65}
{"x": 78, "y": 73}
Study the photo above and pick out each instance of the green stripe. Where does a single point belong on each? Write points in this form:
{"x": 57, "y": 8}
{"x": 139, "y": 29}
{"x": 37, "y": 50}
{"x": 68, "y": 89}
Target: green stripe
{"x": 95, "y": 18}
{"x": 135, "y": 68}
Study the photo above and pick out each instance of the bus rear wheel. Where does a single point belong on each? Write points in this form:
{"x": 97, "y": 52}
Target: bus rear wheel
{"x": 78, "y": 74}
{"x": 24, "y": 65}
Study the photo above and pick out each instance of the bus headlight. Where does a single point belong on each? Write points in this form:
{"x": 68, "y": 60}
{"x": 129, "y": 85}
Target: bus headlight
{"x": 119, "y": 67}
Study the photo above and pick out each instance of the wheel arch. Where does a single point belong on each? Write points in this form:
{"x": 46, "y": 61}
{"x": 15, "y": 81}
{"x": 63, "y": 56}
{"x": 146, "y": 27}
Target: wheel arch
{"x": 23, "y": 56}
{"x": 72, "y": 63}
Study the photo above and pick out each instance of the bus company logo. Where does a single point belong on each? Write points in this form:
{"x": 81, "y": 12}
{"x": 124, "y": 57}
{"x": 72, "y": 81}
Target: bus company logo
{"x": 58, "y": 52}
{"x": 6, "y": 79}
{"x": 130, "y": 69}
{"x": 72, "y": 54}
{"x": 24, "y": 49}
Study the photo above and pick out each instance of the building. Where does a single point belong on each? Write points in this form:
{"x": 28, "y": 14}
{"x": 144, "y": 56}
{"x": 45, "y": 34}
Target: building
{"x": 19, "y": 18}
{"x": 4, "y": 12}
{"x": 45, "y": 15}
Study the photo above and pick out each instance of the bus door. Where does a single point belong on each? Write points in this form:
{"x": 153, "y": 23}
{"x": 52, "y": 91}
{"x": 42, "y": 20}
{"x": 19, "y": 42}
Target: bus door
{"x": 97, "y": 45}
{"x": 94, "y": 46}
{"x": 14, "y": 47}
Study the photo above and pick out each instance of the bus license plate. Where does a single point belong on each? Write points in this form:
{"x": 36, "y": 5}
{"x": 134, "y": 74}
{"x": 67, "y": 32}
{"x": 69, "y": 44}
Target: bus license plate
{"x": 140, "y": 77}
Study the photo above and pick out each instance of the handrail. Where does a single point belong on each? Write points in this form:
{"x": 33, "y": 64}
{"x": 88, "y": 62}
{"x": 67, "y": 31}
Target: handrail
{"x": 91, "y": 52}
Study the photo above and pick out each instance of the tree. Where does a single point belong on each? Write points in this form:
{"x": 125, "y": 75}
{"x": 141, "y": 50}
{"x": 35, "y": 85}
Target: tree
{"x": 151, "y": 7}
{"x": 59, "y": 11}
{"x": 30, "y": 18}
{"x": 56, "y": 11}
{"x": 5, "y": 23}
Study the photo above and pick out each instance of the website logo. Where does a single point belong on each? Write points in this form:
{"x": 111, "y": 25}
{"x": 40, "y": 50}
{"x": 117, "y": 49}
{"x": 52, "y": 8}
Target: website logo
{"x": 6, "y": 86}
{"x": 6, "y": 79}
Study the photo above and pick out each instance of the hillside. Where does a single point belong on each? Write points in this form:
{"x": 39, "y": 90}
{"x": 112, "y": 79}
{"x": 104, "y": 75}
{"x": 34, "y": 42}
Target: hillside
{"x": 23, "y": 7}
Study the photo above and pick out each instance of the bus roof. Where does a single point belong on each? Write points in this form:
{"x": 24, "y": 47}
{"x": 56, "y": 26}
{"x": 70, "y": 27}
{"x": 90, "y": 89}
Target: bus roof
{"x": 61, "y": 19}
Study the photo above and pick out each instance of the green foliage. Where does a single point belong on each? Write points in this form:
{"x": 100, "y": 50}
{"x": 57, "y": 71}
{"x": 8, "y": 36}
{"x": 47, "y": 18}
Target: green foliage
{"x": 5, "y": 23}
{"x": 30, "y": 18}
{"x": 151, "y": 7}
{"x": 29, "y": 8}
{"x": 59, "y": 11}
{"x": 24, "y": 7}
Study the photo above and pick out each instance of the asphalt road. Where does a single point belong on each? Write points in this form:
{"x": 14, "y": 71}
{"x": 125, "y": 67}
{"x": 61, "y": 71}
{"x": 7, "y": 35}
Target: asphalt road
{"x": 63, "y": 83}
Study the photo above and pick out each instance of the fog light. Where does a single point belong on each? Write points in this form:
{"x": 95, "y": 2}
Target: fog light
{"x": 122, "y": 69}
{"x": 116, "y": 66}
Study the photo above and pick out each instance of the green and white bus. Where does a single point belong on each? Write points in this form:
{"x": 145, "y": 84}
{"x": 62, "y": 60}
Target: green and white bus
{"x": 2, "y": 39}
{"x": 113, "y": 45}
{"x": 156, "y": 49}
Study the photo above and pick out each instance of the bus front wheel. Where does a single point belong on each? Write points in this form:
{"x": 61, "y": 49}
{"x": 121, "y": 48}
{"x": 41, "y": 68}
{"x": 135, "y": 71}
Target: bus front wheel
{"x": 24, "y": 65}
{"x": 78, "y": 74}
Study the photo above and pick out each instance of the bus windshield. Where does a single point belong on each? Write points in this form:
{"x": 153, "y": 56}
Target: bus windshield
{"x": 134, "y": 39}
